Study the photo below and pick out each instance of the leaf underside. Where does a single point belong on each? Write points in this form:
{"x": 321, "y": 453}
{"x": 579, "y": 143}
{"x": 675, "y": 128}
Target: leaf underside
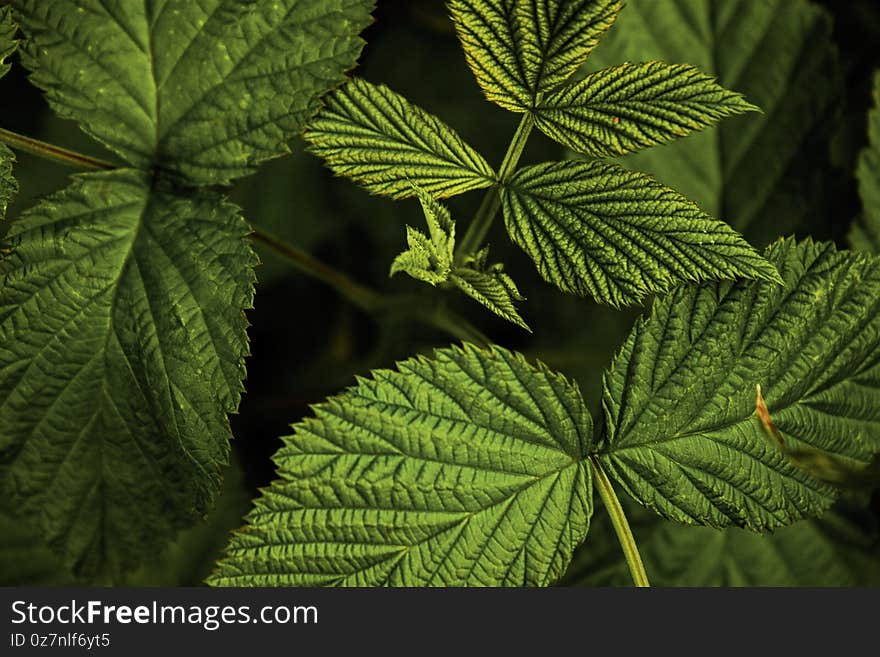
{"x": 596, "y": 229}
{"x": 122, "y": 344}
{"x": 463, "y": 469}
{"x": 681, "y": 433}
{"x": 379, "y": 139}
{"x": 629, "y": 107}
{"x": 201, "y": 90}
{"x": 865, "y": 232}
{"x": 521, "y": 49}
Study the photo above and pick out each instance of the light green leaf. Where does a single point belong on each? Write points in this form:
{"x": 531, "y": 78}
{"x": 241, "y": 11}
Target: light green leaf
{"x": 521, "y": 49}
{"x": 597, "y": 229}
{"x": 828, "y": 551}
{"x": 429, "y": 257}
{"x": 379, "y": 139}
{"x": 768, "y": 174}
{"x": 865, "y": 233}
{"x": 491, "y": 287}
{"x": 202, "y": 90}
{"x": 682, "y": 434}
{"x": 632, "y": 106}
{"x": 8, "y": 44}
{"x": 463, "y": 469}
{"x": 122, "y": 339}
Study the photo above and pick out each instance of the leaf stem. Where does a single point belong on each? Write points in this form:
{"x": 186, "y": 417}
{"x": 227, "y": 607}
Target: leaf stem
{"x": 371, "y": 301}
{"x": 485, "y": 215}
{"x": 621, "y": 525}
{"x": 361, "y": 296}
{"x": 52, "y": 152}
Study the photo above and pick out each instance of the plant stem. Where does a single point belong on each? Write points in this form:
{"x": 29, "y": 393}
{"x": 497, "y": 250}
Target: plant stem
{"x": 52, "y": 152}
{"x": 369, "y": 300}
{"x": 363, "y": 297}
{"x": 621, "y": 525}
{"x": 485, "y": 215}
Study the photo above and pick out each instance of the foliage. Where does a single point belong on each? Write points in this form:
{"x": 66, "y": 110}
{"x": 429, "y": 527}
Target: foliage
{"x": 743, "y": 399}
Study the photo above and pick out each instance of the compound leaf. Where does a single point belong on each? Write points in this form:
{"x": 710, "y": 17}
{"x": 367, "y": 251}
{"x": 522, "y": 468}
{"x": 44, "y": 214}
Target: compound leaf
{"x": 829, "y": 551}
{"x": 632, "y": 106}
{"x": 865, "y": 233}
{"x": 765, "y": 174}
{"x": 463, "y": 469}
{"x": 378, "y": 138}
{"x": 203, "y": 90}
{"x": 596, "y": 229}
{"x": 521, "y": 49}
{"x": 122, "y": 344}
{"x": 682, "y": 432}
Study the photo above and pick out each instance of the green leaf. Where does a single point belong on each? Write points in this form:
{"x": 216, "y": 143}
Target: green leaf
{"x": 597, "y": 229}
{"x": 191, "y": 557}
{"x": 8, "y": 184}
{"x": 382, "y": 141}
{"x": 464, "y": 469}
{"x": 491, "y": 287}
{"x": 122, "y": 339}
{"x": 203, "y": 90}
{"x": 632, "y": 106}
{"x": 865, "y": 233}
{"x": 429, "y": 257}
{"x": 765, "y": 174}
{"x": 8, "y": 44}
{"x": 25, "y": 559}
{"x": 682, "y": 434}
{"x": 829, "y": 551}
{"x": 521, "y": 49}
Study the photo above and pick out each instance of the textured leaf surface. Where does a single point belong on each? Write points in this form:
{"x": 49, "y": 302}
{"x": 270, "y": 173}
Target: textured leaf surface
{"x": 463, "y": 469}
{"x": 204, "y": 90}
{"x": 520, "y": 49}
{"x": 430, "y": 258}
{"x": 632, "y": 106}
{"x": 122, "y": 340}
{"x": 8, "y": 44}
{"x": 865, "y": 233}
{"x": 25, "y": 559}
{"x": 491, "y": 287}
{"x": 379, "y": 139}
{"x": 597, "y": 229}
{"x": 828, "y": 551}
{"x": 681, "y": 433}
{"x": 764, "y": 174}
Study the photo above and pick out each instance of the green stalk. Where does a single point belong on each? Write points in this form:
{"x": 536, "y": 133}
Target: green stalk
{"x": 361, "y": 296}
{"x": 621, "y": 525}
{"x": 482, "y": 221}
{"x": 52, "y": 152}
